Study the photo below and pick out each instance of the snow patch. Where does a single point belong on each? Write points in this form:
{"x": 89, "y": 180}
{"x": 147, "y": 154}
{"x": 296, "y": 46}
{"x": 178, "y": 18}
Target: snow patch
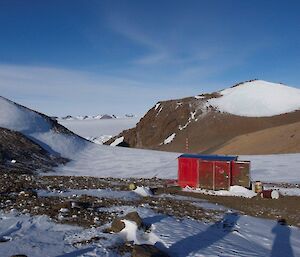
{"x": 156, "y": 106}
{"x": 132, "y": 233}
{"x": 105, "y": 193}
{"x": 143, "y": 191}
{"x": 199, "y": 96}
{"x": 169, "y": 139}
{"x": 117, "y": 141}
{"x": 99, "y": 140}
{"x": 160, "y": 109}
{"x": 258, "y": 99}
{"x": 233, "y": 191}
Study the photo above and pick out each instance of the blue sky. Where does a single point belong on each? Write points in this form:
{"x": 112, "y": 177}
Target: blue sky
{"x": 89, "y": 57}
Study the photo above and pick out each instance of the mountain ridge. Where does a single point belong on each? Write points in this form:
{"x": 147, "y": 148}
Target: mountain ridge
{"x": 200, "y": 124}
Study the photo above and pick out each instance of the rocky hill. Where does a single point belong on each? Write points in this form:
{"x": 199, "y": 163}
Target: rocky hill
{"x": 205, "y": 123}
{"x": 22, "y": 155}
{"x": 39, "y": 128}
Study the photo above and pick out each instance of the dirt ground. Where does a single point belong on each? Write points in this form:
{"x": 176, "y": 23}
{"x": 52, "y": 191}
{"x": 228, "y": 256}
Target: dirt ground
{"x": 17, "y": 191}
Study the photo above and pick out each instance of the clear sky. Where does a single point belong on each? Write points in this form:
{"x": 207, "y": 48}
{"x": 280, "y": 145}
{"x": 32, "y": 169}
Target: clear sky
{"x": 88, "y": 57}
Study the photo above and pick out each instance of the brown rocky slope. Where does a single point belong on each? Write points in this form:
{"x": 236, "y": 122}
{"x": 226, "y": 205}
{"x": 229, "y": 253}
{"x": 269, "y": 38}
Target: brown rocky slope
{"x": 22, "y": 155}
{"x": 206, "y": 129}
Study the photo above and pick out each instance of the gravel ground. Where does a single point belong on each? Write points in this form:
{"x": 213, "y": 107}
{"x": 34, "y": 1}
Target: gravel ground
{"x": 18, "y": 191}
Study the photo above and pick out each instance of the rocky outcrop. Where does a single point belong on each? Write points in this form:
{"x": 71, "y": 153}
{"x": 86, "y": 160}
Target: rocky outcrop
{"x": 19, "y": 153}
{"x": 194, "y": 125}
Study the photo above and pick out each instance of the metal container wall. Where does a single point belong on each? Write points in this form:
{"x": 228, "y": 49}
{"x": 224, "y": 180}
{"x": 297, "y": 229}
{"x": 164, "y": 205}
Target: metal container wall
{"x": 188, "y": 172}
{"x": 240, "y": 173}
{"x": 206, "y": 174}
{"x": 212, "y": 174}
{"x": 222, "y": 175}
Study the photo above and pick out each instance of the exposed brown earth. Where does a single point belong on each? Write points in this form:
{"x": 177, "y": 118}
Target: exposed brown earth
{"x": 207, "y": 129}
{"x": 281, "y": 139}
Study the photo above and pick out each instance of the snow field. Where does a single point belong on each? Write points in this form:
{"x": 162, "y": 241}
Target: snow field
{"x": 258, "y": 99}
{"x": 233, "y": 235}
{"x": 99, "y": 131}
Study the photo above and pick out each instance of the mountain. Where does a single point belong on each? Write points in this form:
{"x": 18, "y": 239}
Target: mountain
{"x": 39, "y": 128}
{"x": 86, "y": 117}
{"x": 206, "y": 123}
{"x": 20, "y": 154}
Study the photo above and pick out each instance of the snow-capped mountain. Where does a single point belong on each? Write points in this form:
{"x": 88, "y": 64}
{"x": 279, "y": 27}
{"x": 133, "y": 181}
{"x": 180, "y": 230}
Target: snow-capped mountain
{"x": 87, "y": 117}
{"x": 94, "y": 117}
{"x": 206, "y": 122}
{"x": 257, "y": 98}
{"x": 40, "y": 128}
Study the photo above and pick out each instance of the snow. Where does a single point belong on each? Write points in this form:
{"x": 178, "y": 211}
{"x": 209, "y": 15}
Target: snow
{"x": 233, "y": 235}
{"x": 258, "y": 99}
{"x": 160, "y": 109}
{"x": 106, "y": 193}
{"x": 99, "y": 131}
{"x": 99, "y": 140}
{"x": 143, "y": 191}
{"x": 34, "y": 236}
{"x": 132, "y": 233}
{"x": 285, "y": 191}
{"x": 169, "y": 139}
{"x": 119, "y": 140}
{"x": 37, "y": 128}
{"x": 233, "y": 191}
{"x": 156, "y": 106}
{"x": 274, "y": 168}
{"x": 106, "y": 161}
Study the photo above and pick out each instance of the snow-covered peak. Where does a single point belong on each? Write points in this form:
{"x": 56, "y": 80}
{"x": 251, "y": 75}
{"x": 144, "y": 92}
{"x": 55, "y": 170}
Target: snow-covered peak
{"x": 39, "y": 128}
{"x": 258, "y": 98}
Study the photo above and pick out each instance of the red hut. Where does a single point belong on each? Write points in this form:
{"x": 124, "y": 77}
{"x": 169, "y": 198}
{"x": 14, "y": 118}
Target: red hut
{"x": 212, "y": 171}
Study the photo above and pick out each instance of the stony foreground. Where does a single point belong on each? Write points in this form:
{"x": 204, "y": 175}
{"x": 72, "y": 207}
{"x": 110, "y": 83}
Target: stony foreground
{"x": 96, "y": 202}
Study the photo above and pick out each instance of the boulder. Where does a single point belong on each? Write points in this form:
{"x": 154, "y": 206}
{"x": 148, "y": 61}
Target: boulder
{"x": 146, "y": 250}
{"x": 117, "y": 224}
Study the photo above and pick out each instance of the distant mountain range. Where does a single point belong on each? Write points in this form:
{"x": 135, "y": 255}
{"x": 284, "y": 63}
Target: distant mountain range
{"x": 252, "y": 117}
{"x": 94, "y": 117}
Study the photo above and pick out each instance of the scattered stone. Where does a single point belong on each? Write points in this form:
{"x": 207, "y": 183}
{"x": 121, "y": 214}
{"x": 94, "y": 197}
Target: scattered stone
{"x": 89, "y": 241}
{"x": 146, "y": 250}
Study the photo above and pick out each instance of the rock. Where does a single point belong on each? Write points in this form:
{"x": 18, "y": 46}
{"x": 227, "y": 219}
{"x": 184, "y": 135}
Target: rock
{"x": 19, "y": 255}
{"x": 134, "y": 216}
{"x": 117, "y": 224}
{"x": 28, "y": 193}
{"x": 145, "y": 250}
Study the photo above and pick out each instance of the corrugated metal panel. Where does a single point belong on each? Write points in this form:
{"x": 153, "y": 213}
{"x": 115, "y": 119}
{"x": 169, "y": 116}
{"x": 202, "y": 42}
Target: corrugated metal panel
{"x": 206, "y": 174}
{"x": 222, "y": 175}
{"x": 214, "y": 175}
{"x": 240, "y": 173}
{"x": 210, "y": 157}
{"x": 188, "y": 172}
{"x": 211, "y": 174}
